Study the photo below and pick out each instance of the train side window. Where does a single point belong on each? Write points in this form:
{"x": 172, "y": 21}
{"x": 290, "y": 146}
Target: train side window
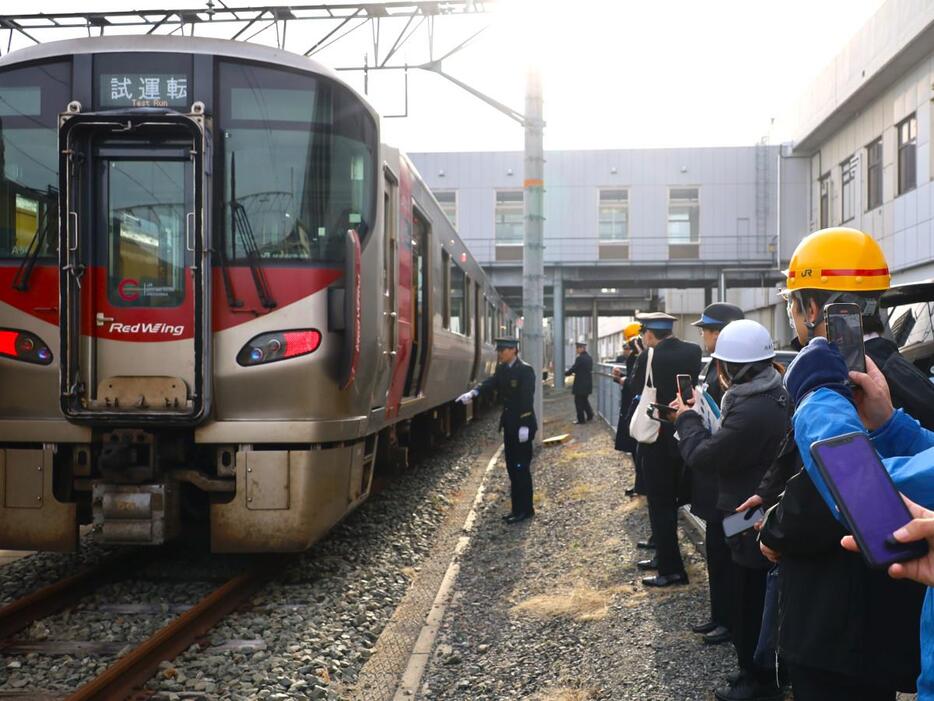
{"x": 458, "y": 305}
{"x": 446, "y": 290}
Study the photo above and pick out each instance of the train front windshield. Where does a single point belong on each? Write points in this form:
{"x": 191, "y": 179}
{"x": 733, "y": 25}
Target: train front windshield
{"x": 299, "y": 156}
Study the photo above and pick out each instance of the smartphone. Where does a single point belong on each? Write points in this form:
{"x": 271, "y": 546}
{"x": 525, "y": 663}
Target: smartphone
{"x": 660, "y": 412}
{"x": 867, "y": 498}
{"x": 734, "y": 524}
{"x": 685, "y": 388}
{"x": 845, "y": 329}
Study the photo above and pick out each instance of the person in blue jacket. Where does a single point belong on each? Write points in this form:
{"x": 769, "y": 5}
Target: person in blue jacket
{"x": 846, "y": 632}
{"x": 827, "y": 408}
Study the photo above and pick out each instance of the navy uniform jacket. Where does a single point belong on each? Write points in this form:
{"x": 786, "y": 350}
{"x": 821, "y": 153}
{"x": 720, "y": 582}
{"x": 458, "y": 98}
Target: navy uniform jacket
{"x": 516, "y": 388}
{"x": 583, "y": 374}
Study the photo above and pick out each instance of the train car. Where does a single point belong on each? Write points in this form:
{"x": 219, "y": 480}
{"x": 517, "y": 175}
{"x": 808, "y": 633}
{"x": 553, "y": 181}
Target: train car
{"x": 222, "y": 299}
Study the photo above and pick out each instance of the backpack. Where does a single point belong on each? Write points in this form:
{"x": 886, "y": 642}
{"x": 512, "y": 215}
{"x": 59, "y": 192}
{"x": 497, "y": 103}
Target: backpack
{"x": 911, "y": 389}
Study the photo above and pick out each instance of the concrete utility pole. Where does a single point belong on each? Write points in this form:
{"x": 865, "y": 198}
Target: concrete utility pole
{"x": 558, "y": 328}
{"x": 533, "y": 259}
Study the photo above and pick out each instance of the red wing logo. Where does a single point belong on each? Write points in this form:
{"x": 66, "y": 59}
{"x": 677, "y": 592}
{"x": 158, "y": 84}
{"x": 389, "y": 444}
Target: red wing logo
{"x": 127, "y": 289}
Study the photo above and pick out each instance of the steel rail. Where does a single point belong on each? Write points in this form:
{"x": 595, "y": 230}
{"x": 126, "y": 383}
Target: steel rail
{"x": 121, "y": 679}
{"x": 44, "y": 602}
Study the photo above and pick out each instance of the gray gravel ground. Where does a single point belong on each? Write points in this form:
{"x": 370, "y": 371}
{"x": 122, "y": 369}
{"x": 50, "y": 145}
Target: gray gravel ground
{"x": 308, "y": 634}
{"x": 554, "y": 608}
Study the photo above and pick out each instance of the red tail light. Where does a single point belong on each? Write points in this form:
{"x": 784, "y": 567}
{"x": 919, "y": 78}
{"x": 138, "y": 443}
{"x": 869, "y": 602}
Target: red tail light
{"x": 279, "y": 345}
{"x": 25, "y": 346}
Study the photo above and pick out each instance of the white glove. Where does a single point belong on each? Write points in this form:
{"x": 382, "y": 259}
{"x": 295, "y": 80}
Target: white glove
{"x": 467, "y": 397}
{"x": 523, "y": 434}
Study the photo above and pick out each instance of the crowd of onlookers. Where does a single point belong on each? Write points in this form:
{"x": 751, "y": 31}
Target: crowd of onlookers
{"x": 788, "y": 584}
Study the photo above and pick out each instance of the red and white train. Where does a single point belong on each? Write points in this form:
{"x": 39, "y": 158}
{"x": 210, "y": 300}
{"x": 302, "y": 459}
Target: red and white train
{"x": 221, "y": 297}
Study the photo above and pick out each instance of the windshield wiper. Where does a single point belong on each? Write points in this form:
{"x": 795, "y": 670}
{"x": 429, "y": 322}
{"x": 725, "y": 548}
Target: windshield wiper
{"x": 240, "y": 223}
{"x": 24, "y": 272}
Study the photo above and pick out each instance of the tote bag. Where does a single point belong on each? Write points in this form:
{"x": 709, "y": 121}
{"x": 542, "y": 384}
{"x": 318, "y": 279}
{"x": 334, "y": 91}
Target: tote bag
{"x": 642, "y": 427}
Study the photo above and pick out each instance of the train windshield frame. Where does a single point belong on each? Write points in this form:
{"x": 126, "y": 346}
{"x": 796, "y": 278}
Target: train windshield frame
{"x": 297, "y": 158}
{"x": 31, "y": 97}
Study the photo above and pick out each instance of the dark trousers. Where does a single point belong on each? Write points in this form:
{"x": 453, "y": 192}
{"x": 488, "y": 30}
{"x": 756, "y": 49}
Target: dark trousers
{"x": 748, "y": 603}
{"x": 720, "y": 574}
{"x": 582, "y": 405}
{"x": 519, "y": 469}
{"x": 640, "y": 476}
{"x": 811, "y": 684}
{"x": 662, "y": 468}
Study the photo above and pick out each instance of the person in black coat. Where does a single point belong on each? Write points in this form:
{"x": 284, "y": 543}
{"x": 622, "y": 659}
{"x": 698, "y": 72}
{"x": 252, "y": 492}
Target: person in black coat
{"x": 720, "y": 574}
{"x": 514, "y": 382}
{"x": 583, "y": 383}
{"x": 754, "y": 422}
{"x": 662, "y": 465}
{"x": 624, "y": 442}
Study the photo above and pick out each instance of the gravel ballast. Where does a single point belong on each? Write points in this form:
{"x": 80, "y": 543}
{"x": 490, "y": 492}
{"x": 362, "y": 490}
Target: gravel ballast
{"x": 554, "y": 608}
{"x": 306, "y": 636}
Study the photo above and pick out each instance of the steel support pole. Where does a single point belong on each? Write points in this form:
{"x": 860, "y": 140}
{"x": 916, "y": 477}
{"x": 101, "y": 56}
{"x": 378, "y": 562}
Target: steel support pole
{"x": 533, "y": 259}
{"x": 558, "y": 328}
{"x": 594, "y": 331}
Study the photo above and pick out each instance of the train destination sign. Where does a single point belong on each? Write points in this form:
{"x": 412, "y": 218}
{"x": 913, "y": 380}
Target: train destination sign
{"x": 144, "y": 90}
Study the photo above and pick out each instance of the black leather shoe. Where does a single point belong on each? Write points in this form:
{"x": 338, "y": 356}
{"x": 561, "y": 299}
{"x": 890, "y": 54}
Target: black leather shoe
{"x": 718, "y": 635}
{"x": 745, "y": 688}
{"x": 516, "y": 518}
{"x": 704, "y": 628}
{"x": 666, "y": 580}
{"x": 645, "y": 545}
{"x": 648, "y": 564}
{"x": 508, "y": 516}
{"x": 631, "y": 492}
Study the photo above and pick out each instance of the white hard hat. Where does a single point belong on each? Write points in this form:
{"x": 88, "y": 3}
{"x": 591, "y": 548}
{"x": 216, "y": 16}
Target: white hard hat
{"x": 744, "y": 341}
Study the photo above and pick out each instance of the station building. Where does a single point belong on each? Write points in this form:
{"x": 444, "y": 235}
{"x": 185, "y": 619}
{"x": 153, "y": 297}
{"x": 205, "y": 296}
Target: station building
{"x": 674, "y": 229}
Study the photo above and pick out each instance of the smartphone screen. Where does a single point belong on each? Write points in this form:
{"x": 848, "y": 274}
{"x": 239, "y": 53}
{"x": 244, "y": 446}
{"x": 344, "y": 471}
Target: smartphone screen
{"x": 867, "y": 497}
{"x": 845, "y": 329}
{"x": 685, "y": 388}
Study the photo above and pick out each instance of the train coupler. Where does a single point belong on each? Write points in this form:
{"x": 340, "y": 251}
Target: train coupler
{"x": 136, "y": 514}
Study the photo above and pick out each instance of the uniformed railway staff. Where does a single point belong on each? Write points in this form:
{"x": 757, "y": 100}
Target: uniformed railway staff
{"x": 583, "y": 383}
{"x": 514, "y": 381}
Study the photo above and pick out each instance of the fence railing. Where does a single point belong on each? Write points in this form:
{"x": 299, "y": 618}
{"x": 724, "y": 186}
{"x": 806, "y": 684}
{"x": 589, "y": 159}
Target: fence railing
{"x": 608, "y": 392}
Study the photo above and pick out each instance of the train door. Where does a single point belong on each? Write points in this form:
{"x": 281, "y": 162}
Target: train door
{"x": 132, "y": 280}
{"x": 478, "y": 310}
{"x": 420, "y": 341}
{"x": 390, "y": 235}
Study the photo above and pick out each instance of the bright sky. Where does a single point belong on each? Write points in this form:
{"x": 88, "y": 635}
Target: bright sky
{"x": 617, "y": 73}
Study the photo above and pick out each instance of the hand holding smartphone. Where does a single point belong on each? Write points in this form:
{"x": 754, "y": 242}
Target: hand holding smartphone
{"x": 660, "y": 412}
{"x": 734, "y": 524}
{"x": 845, "y": 330}
{"x": 685, "y": 388}
{"x": 867, "y": 498}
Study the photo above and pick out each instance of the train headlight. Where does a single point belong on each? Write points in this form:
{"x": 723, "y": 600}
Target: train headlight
{"x": 25, "y": 346}
{"x": 279, "y": 345}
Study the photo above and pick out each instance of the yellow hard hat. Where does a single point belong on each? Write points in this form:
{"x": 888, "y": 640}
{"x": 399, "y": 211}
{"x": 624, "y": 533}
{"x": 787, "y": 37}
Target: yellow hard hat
{"x": 838, "y": 260}
{"x": 631, "y": 331}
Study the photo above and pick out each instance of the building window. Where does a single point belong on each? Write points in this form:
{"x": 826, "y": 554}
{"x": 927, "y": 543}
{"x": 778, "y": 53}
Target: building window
{"x": 683, "y": 215}
{"x": 448, "y": 201}
{"x": 458, "y": 292}
{"x": 614, "y": 215}
{"x": 907, "y": 132}
{"x": 509, "y": 217}
{"x": 874, "y": 174}
{"x": 848, "y": 176}
{"x": 825, "y": 201}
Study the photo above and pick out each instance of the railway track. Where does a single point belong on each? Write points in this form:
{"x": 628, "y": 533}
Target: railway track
{"x": 124, "y": 677}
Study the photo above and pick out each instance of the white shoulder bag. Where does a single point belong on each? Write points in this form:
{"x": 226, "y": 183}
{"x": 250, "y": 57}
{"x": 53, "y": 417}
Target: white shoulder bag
{"x": 642, "y": 427}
